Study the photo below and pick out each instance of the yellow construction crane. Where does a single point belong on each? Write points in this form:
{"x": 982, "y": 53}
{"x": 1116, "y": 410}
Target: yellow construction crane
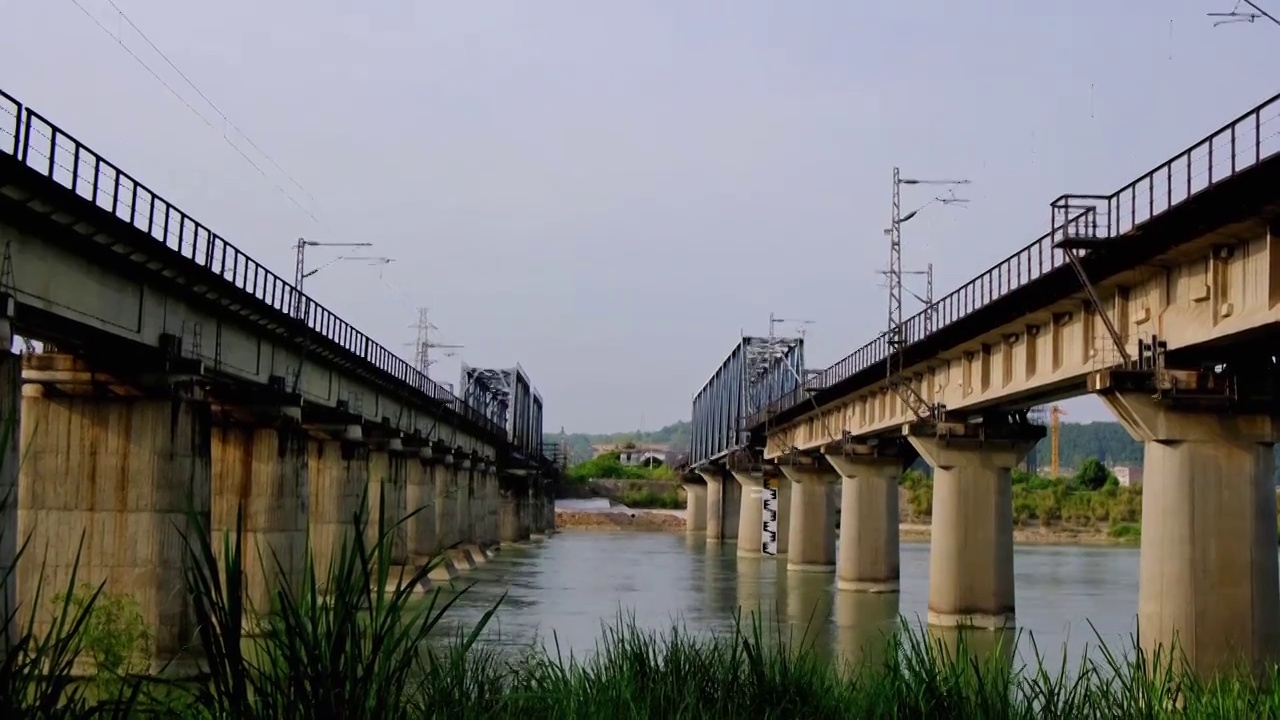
{"x": 1055, "y": 431}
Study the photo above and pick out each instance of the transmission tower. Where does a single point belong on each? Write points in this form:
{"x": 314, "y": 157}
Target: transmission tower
{"x": 424, "y": 344}
{"x": 895, "y": 335}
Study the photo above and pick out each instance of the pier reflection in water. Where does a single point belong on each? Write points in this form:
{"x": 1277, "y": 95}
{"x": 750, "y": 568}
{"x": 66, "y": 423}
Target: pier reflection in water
{"x": 576, "y": 582}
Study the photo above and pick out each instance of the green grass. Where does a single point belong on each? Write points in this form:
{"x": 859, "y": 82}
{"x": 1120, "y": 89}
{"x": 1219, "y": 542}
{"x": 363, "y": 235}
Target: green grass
{"x": 361, "y": 653}
{"x": 649, "y": 498}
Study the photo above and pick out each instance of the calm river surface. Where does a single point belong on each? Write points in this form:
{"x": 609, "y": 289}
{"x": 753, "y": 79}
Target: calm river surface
{"x": 578, "y": 580}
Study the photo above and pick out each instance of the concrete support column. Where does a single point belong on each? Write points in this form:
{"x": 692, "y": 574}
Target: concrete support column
{"x": 1209, "y": 582}
{"x": 10, "y": 404}
{"x": 261, "y": 472}
{"x": 489, "y": 485}
{"x": 420, "y": 490}
{"x": 714, "y": 479}
{"x": 751, "y": 513}
{"x": 695, "y": 507}
{"x": 121, "y": 476}
{"x": 466, "y": 495}
{"x": 513, "y": 496}
{"x": 525, "y": 507}
{"x": 812, "y": 547}
{"x": 446, "y": 503}
{"x": 537, "y": 491}
{"x": 338, "y": 479}
{"x": 388, "y": 473}
{"x": 971, "y": 548}
{"x": 869, "y": 553}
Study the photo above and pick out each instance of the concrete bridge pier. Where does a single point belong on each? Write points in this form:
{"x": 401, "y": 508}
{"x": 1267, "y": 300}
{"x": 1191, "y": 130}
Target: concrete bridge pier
{"x": 869, "y": 554}
{"x": 470, "y": 513}
{"x": 388, "y": 504}
{"x": 1209, "y": 581}
{"x": 695, "y": 505}
{"x": 338, "y": 479}
{"x": 812, "y": 544}
{"x": 445, "y": 476}
{"x": 724, "y": 503}
{"x": 489, "y": 537}
{"x": 514, "y": 504}
{"x": 10, "y": 402}
{"x": 123, "y": 466}
{"x": 971, "y": 548}
{"x": 750, "y": 512}
{"x": 420, "y": 497}
{"x": 537, "y": 507}
{"x": 261, "y": 472}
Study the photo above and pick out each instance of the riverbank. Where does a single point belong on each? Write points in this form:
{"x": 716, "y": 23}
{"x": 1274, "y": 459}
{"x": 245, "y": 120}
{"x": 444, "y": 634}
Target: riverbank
{"x": 650, "y": 520}
{"x": 673, "y": 521}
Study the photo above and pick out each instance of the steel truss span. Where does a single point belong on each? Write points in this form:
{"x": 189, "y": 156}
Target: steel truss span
{"x": 507, "y": 398}
{"x": 757, "y": 369}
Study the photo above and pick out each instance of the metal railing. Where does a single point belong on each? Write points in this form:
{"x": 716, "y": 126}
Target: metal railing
{"x": 42, "y": 146}
{"x": 1239, "y": 145}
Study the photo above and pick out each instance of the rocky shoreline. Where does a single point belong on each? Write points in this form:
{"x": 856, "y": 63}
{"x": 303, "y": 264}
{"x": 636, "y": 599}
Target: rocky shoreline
{"x": 666, "y": 521}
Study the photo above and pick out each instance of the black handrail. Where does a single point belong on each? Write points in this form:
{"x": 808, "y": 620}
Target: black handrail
{"x": 1238, "y": 147}
{"x": 42, "y": 146}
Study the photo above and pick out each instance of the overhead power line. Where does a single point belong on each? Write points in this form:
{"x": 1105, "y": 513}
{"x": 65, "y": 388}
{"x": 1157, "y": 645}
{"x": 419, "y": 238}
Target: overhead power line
{"x": 223, "y": 116}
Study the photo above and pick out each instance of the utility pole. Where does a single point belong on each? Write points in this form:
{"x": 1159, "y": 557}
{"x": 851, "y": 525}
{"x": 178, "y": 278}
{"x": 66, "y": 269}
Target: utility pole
{"x": 895, "y": 336}
{"x": 301, "y": 273}
{"x": 1236, "y": 16}
{"x": 423, "y": 345}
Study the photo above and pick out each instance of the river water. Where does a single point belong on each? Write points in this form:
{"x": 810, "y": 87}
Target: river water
{"x": 564, "y": 589}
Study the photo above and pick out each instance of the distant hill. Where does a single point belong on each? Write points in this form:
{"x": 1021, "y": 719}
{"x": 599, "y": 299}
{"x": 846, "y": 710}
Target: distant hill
{"x": 676, "y": 436}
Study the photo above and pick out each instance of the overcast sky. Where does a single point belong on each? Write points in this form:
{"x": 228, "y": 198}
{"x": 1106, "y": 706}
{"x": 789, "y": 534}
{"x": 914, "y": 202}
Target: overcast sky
{"x": 610, "y": 192}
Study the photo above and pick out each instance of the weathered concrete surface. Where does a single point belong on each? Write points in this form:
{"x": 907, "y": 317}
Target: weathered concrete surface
{"x": 338, "y": 474}
{"x": 261, "y": 472}
{"x": 126, "y": 474}
{"x": 715, "y": 480}
{"x": 388, "y": 503}
{"x": 514, "y": 502}
{"x": 750, "y": 513}
{"x": 869, "y": 553}
{"x": 10, "y": 404}
{"x": 1209, "y": 580}
{"x": 446, "y": 481}
{"x": 812, "y": 547}
{"x": 420, "y": 496}
{"x": 695, "y": 507}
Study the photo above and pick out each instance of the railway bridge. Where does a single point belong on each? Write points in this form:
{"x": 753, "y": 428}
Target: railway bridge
{"x": 1162, "y": 298}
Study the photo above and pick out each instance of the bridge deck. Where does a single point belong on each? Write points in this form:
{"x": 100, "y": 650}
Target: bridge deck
{"x": 90, "y": 252}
